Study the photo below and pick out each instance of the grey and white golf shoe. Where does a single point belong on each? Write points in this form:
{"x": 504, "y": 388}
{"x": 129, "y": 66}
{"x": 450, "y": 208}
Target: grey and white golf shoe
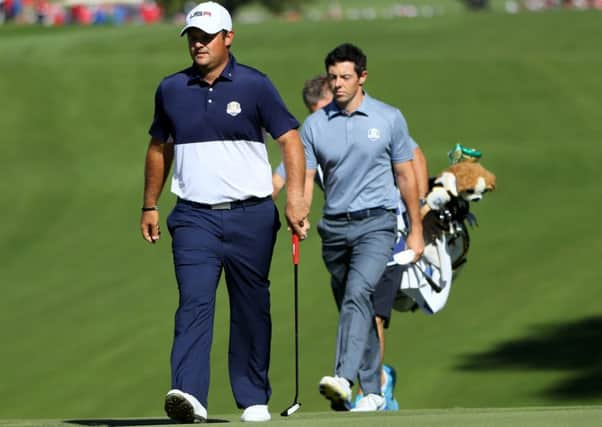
{"x": 184, "y": 408}
{"x": 338, "y": 391}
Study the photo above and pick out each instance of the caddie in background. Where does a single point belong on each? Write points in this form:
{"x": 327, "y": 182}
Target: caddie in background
{"x": 316, "y": 94}
{"x": 209, "y": 117}
{"x": 362, "y": 146}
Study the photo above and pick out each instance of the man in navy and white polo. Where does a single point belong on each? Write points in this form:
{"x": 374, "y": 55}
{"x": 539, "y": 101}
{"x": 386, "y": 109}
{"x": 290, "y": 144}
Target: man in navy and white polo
{"x": 209, "y": 119}
{"x": 362, "y": 146}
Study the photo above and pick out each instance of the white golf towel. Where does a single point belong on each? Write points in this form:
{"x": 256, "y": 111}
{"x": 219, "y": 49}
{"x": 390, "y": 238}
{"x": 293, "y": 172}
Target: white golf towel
{"x": 428, "y": 281}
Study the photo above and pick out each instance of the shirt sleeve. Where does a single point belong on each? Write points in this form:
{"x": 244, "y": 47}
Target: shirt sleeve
{"x": 161, "y": 126}
{"x": 401, "y": 148}
{"x": 413, "y": 144}
{"x": 280, "y": 171}
{"x": 276, "y": 118}
{"x": 311, "y": 161}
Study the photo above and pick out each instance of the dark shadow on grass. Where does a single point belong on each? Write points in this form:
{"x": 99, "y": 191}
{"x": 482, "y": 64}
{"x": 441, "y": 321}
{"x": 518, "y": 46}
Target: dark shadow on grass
{"x": 133, "y": 422}
{"x": 575, "y": 348}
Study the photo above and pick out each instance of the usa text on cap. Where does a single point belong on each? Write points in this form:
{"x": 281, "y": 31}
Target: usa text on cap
{"x": 209, "y": 17}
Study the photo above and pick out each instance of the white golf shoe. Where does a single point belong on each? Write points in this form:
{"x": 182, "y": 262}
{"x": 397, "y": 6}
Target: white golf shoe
{"x": 256, "y": 413}
{"x": 370, "y": 402}
{"x": 184, "y": 408}
{"x": 338, "y": 391}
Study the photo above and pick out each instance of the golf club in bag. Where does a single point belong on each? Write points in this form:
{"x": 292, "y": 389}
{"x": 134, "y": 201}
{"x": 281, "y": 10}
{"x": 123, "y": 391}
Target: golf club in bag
{"x": 294, "y": 407}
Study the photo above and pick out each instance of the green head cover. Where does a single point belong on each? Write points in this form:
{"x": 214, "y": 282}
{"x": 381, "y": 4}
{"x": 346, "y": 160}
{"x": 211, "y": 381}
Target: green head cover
{"x": 460, "y": 153}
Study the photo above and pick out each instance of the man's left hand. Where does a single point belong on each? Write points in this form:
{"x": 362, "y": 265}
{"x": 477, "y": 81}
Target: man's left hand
{"x": 415, "y": 242}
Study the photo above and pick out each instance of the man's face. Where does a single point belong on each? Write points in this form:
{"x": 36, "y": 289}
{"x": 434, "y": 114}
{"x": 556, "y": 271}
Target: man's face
{"x": 344, "y": 82}
{"x": 208, "y": 51}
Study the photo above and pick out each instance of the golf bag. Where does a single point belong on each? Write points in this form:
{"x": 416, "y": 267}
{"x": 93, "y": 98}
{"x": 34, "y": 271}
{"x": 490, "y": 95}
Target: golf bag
{"x": 426, "y": 284}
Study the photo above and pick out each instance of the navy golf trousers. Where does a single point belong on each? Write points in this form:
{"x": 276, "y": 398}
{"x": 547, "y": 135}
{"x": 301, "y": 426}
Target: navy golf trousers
{"x": 239, "y": 241}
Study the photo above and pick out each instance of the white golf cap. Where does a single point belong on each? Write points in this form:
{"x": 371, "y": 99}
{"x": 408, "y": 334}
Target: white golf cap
{"x": 209, "y": 17}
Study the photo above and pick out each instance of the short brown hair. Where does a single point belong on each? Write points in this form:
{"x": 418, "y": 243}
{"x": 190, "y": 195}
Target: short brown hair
{"x": 315, "y": 89}
{"x": 347, "y": 52}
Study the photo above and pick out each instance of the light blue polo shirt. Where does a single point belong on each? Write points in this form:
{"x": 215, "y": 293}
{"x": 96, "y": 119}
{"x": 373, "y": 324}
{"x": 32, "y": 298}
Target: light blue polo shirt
{"x": 356, "y": 152}
{"x": 282, "y": 173}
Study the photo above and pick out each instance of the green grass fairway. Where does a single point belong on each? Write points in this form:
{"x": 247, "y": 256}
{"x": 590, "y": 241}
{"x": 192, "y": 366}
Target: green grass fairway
{"x": 459, "y": 417}
{"x": 86, "y": 307}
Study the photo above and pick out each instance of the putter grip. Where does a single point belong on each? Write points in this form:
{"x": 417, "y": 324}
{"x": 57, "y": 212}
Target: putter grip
{"x": 295, "y": 240}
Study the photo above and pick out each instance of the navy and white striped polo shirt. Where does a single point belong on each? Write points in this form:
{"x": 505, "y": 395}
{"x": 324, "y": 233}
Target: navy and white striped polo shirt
{"x": 220, "y": 154}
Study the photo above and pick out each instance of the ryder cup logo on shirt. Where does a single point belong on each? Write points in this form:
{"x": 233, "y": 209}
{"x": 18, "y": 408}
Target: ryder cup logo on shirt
{"x": 233, "y": 108}
{"x": 373, "y": 134}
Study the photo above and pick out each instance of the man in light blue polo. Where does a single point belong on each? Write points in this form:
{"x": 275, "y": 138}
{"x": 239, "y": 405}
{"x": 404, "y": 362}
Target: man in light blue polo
{"x": 362, "y": 146}
{"x": 210, "y": 118}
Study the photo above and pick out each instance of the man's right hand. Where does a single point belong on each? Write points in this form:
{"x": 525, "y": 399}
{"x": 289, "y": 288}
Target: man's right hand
{"x": 149, "y": 226}
{"x": 296, "y": 216}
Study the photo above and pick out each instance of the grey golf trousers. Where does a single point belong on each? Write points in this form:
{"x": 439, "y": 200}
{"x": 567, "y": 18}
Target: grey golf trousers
{"x": 356, "y": 253}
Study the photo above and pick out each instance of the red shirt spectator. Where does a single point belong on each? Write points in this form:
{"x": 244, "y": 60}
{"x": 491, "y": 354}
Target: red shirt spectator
{"x": 150, "y": 12}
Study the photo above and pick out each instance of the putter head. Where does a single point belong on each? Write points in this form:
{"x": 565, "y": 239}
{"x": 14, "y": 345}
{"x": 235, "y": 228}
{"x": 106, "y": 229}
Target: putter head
{"x": 291, "y": 409}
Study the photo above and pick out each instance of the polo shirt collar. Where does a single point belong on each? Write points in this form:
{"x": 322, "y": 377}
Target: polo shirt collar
{"x": 227, "y": 74}
{"x": 333, "y": 110}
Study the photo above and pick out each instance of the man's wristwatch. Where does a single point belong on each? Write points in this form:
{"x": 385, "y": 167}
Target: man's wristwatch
{"x": 150, "y": 208}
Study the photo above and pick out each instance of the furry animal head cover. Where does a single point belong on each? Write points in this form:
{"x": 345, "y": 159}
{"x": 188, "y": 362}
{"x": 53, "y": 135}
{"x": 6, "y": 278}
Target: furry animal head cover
{"x": 472, "y": 180}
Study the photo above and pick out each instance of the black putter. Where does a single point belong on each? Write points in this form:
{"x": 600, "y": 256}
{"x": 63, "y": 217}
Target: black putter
{"x": 296, "y": 404}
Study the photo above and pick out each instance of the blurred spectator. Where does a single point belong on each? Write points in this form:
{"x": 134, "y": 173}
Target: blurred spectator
{"x": 57, "y": 15}
{"x": 477, "y": 4}
{"x": 120, "y": 14}
{"x": 41, "y": 11}
{"x": 150, "y": 12}
{"x": 15, "y": 8}
{"x": 81, "y": 12}
{"x": 99, "y": 15}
